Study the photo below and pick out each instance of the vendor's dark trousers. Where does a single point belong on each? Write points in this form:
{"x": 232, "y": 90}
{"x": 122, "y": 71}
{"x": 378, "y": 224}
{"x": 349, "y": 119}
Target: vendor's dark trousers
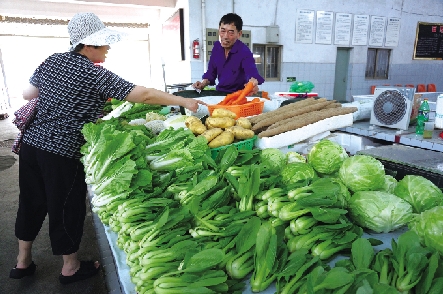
{"x": 54, "y": 185}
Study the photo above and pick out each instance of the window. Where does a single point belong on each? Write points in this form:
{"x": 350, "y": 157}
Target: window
{"x": 268, "y": 61}
{"x": 377, "y": 63}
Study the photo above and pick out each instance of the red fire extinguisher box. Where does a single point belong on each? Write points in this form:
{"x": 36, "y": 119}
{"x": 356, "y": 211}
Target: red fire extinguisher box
{"x": 196, "y": 49}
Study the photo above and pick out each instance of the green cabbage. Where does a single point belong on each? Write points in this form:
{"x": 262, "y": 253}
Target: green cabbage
{"x": 420, "y": 192}
{"x": 326, "y": 156}
{"x": 272, "y": 159}
{"x": 362, "y": 173}
{"x": 428, "y": 226}
{"x": 379, "y": 211}
{"x": 293, "y": 156}
{"x": 297, "y": 172}
{"x": 390, "y": 184}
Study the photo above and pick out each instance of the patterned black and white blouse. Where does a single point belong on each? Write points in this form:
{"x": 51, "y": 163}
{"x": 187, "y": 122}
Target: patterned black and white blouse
{"x": 72, "y": 92}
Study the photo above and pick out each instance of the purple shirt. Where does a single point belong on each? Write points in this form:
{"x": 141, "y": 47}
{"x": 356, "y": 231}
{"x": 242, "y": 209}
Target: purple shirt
{"x": 232, "y": 72}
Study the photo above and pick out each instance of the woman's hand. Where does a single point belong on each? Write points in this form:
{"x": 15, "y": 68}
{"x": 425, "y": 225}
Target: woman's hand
{"x": 192, "y": 104}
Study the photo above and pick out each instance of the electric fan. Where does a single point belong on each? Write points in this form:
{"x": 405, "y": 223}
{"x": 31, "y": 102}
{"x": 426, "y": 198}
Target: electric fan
{"x": 392, "y": 107}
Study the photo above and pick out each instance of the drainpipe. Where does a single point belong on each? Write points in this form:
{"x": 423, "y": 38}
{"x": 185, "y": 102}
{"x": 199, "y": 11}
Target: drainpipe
{"x": 203, "y": 44}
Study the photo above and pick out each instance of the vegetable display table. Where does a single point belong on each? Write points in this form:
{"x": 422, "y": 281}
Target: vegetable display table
{"x": 409, "y": 138}
{"x": 128, "y": 287}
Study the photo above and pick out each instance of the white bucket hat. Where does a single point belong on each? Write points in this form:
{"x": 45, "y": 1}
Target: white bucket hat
{"x": 86, "y": 28}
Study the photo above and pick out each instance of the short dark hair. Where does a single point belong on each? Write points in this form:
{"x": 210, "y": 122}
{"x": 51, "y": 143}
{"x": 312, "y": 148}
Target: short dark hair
{"x": 80, "y": 46}
{"x": 232, "y": 18}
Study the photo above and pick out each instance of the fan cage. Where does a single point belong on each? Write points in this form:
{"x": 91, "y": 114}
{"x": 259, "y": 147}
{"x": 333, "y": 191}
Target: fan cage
{"x": 390, "y": 107}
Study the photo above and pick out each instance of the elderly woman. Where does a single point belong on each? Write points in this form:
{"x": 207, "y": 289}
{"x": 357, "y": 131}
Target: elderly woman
{"x": 71, "y": 92}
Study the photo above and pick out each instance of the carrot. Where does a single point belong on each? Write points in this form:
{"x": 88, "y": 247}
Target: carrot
{"x": 240, "y": 101}
{"x": 229, "y": 97}
{"x": 255, "y": 100}
{"x": 234, "y": 96}
{"x": 248, "y": 89}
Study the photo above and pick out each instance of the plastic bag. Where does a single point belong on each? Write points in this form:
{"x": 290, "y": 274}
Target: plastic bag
{"x": 301, "y": 87}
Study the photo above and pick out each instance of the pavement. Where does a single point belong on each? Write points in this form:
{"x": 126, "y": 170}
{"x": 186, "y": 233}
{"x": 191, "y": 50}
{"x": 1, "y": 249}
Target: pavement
{"x": 94, "y": 245}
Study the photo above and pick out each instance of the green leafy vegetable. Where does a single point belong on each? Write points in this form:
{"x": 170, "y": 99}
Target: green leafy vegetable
{"x": 410, "y": 260}
{"x": 420, "y": 192}
{"x": 295, "y": 270}
{"x": 428, "y": 226}
{"x": 362, "y": 173}
{"x": 326, "y": 156}
{"x": 119, "y": 110}
{"x": 297, "y": 172}
{"x": 272, "y": 159}
{"x": 379, "y": 211}
{"x": 268, "y": 258}
{"x": 182, "y": 157}
{"x": 390, "y": 184}
{"x": 293, "y": 156}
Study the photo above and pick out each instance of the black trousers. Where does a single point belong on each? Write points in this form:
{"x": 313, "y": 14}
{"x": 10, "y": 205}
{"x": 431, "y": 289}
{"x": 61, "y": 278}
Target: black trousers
{"x": 51, "y": 185}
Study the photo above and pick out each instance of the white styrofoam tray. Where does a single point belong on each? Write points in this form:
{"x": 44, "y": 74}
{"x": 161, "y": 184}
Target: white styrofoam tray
{"x": 353, "y": 143}
{"x": 298, "y": 135}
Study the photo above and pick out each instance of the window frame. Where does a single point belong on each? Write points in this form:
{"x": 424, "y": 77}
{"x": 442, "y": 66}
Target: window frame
{"x": 266, "y": 66}
{"x": 374, "y": 62}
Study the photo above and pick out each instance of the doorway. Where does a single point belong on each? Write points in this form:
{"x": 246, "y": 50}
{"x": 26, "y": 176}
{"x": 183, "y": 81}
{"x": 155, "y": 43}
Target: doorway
{"x": 341, "y": 74}
{"x": 4, "y": 95}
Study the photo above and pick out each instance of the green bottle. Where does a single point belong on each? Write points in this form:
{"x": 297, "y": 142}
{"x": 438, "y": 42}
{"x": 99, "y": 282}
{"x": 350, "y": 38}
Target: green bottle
{"x": 424, "y": 109}
{"x": 420, "y": 126}
{"x": 423, "y": 116}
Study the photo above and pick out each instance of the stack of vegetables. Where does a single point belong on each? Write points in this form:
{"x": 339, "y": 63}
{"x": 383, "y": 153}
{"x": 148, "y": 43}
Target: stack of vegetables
{"x": 221, "y": 128}
{"x": 128, "y": 110}
{"x": 189, "y": 223}
{"x": 239, "y": 97}
{"x": 296, "y": 115}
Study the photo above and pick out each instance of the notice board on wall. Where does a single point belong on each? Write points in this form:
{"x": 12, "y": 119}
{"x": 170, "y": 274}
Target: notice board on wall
{"x": 429, "y": 41}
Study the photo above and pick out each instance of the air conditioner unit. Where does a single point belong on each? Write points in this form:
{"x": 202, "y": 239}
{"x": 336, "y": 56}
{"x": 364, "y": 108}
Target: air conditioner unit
{"x": 392, "y": 107}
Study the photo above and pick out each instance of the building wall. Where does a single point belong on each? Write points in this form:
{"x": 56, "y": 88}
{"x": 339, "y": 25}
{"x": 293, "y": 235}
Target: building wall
{"x": 313, "y": 62}
{"x": 316, "y": 62}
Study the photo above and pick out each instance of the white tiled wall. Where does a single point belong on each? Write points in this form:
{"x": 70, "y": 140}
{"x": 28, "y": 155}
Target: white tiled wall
{"x": 322, "y": 75}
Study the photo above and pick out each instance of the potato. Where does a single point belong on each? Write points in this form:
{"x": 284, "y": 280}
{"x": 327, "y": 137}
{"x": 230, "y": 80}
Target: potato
{"x": 223, "y": 139}
{"x": 191, "y": 119}
{"x": 197, "y": 127}
{"x": 219, "y": 122}
{"x": 212, "y": 133}
{"x": 243, "y": 122}
{"x": 221, "y": 112}
{"x": 241, "y": 133}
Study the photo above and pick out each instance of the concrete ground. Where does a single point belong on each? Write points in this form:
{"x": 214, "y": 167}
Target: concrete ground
{"x": 45, "y": 279}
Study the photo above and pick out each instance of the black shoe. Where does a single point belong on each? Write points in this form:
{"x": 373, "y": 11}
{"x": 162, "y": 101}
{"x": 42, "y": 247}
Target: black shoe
{"x": 87, "y": 269}
{"x": 18, "y": 273}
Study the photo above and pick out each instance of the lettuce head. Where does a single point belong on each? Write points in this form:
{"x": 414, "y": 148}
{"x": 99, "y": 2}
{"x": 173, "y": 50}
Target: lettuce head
{"x": 390, "y": 184}
{"x": 272, "y": 159}
{"x": 297, "y": 172}
{"x": 428, "y": 226}
{"x": 326, "y": 156}
{"x": 293, "y": 156}
{"x": 420, "y": 192}
{"x": 362, "y": 173}
{"x": 379, "y": 211}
